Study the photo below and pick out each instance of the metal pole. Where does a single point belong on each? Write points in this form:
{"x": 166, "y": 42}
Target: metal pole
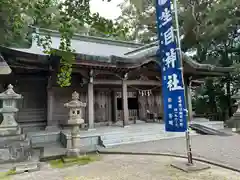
{"x": 188, "y": 144}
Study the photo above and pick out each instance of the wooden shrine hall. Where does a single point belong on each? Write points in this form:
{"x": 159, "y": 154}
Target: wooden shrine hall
{"x": 119, "y": 81}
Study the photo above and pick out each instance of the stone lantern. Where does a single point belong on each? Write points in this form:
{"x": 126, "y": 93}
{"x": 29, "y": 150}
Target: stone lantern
{"x": 234, "y": 121}
{"x": 9, "y": 100}
{"x": 75, "y": 120}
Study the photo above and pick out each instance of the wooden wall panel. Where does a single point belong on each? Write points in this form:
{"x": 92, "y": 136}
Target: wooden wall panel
{"x": 102, "y": 106}
{"x": 33, "y": 107}
{"x": 133, "y": 114}
{"x": 152, "y": 103}
{"x": 62, "y": 96}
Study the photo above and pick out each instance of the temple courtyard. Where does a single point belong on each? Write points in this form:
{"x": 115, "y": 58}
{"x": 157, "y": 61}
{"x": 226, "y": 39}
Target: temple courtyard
{"x": 128, "y": 167}
{"x": 223, "y": 150}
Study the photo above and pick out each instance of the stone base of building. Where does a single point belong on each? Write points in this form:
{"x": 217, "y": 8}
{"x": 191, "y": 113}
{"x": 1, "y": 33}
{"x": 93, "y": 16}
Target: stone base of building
{"x": 73, "y": 152}
{"x": 14, "y": 148}
{"x": 52, "y": 128}
{"x": 9, "y": 131}
{"x": 196, "y": 166}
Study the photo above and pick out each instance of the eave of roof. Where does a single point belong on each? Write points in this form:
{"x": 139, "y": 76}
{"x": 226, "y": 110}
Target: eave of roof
{"x": 206, "y": 67}
{"x": 136, "y": 57}
{"x": 43, "y": 31}
{"x": 129, "y": 62}
{"x": 150, "y": 50}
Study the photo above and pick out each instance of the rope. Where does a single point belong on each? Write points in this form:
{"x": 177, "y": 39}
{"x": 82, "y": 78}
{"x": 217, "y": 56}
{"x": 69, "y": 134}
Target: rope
{"x": 144, "y": 89}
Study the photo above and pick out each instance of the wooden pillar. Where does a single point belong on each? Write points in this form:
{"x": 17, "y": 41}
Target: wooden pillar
{"x": 110, "y": 107}
{"x": 114, "y": 105}
{"x": 90, "y": 105}
{"x": 51, "y": 124}
{"x": 188, "y": 94}
{"x": 125, "y": 104}
{"x": 189, "y": 103}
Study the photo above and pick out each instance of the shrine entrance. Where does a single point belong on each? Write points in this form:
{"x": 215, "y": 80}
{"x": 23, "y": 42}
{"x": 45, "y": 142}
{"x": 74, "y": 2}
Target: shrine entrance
{"x": 133, "y": 108}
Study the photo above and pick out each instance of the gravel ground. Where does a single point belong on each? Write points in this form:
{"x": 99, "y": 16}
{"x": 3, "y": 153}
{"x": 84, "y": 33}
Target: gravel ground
{"x": 127, "y": 167}
{"x": 222, "y": 149}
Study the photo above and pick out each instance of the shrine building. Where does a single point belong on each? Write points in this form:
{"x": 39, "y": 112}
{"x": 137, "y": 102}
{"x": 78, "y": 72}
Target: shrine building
{"x": 119, "y": 81}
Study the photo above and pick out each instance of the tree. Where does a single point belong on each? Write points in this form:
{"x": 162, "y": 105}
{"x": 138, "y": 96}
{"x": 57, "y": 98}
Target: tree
{"x": 208, "y": 27}
{"x": 68, "y": 17}
{"x": 13, "y": 22}
{"x": 201, "y": 22}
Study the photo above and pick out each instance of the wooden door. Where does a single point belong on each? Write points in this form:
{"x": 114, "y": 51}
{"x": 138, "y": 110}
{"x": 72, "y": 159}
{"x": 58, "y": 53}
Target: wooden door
{"x": 102, "y": 106}
{"x": 133, "y": 113}
{"x": 33, "y": 107}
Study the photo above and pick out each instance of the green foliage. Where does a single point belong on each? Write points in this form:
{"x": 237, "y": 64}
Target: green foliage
{"x": 68, "y": 17}
{"x": 6, "y": 175}
{"x": 12, "y": 22}
{"x": 209, "y": 28}
{"x": 212, "y": 99}
{"x": 66, "y": 162}
{"x": 71, "y": 13}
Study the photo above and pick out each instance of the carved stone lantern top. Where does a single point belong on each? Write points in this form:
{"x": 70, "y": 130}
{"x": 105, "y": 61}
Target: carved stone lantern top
{"x": 10, "y": 94}
{"x": 75, "y": 103}
{"x": 8, "y": 110}
{"x": 75, "y": 110}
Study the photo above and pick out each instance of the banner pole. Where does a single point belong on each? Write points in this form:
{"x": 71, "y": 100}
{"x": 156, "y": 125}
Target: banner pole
{"x": 188, "y": 141}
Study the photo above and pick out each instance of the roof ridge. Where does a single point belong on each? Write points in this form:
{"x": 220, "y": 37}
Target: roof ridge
{"x": 77, "y": 36}
{"x": 146, "y": 46}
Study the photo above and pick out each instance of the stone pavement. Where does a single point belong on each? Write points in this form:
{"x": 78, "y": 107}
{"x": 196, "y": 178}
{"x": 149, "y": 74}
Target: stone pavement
{"x": 221, "y": 149}
{"x": 127, "y": 167}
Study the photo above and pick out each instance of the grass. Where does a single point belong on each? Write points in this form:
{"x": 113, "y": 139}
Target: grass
{"x": 67, "y": 161}
{"x": 5, "y": 175}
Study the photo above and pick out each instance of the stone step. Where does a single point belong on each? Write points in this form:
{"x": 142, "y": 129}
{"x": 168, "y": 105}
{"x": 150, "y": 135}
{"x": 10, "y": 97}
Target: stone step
{"x": 134, "y": 140}
{"x": 130, "y": 138}
{"x": 11, "y": 143}
{"x": 135, "y": 130}
{"x": 6, "y": 139}
{"x": 122, "y": 135}
{"x": 139, "y": 139}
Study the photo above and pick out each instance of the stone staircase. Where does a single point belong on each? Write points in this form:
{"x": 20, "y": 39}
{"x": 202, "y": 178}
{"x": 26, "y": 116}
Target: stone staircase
{"x": 136, "y": 134}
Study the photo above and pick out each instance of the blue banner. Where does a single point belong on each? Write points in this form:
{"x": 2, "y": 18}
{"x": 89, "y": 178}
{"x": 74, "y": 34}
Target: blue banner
{"x": 172, "y": 81}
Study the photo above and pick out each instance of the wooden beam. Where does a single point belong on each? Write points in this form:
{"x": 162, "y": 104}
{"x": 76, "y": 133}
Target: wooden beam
{"x": 145, "y": 83}
{"x": 128, "y": 82}
{"x": 107, "y": 82}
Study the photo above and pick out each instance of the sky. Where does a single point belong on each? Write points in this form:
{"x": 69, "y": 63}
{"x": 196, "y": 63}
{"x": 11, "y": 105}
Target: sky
{"x": 106, "y": 9}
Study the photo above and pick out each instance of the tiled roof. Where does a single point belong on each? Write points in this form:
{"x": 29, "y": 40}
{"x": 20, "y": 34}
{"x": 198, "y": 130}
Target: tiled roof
{"x": 150, "y": 50}
{"x": 86, "y": 45}
{"x": 112, "y": 51}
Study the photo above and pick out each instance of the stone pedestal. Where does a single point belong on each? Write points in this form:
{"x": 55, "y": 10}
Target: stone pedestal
{"x": 234, "y": 121}
{"x": 74, "y": 121}
{"x": 9, "y": 125}
{"x": 190, "y": 167}
{"x": 14, "y": 146}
